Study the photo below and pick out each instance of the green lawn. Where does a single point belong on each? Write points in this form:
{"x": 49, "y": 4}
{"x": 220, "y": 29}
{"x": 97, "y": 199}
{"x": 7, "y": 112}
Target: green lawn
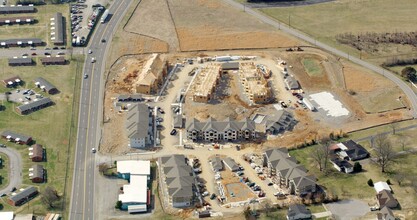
{"x": 4, "y": 173}
{"x": 53, "y": 127}
{"x": 326, "y": 20}
{"x": 312, "y": 67}
{"x": 41, "y": 29}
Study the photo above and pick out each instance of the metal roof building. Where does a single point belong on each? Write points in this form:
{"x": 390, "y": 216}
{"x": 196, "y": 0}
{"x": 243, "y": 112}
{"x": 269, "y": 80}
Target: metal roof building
{"x": 53, "y": 60}
{"x": 45, "y": 85}
{"x": 16, "y": 20}
{"x": 20, "y": 61}
{"x": 17, "y": 9}
{"x": 34, "y": 106}
{"x": 23, "y": 196}
{"x": 21, "y": 42}
{"x": 16, "y": 137}
{"x": 57, "y": 30}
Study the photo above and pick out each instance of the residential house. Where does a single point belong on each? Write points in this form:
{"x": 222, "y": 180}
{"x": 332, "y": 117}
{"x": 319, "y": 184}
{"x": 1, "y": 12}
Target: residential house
{"x": 139, "y": 126}
{"x": 12, "y": 81}
{"x": 46, "y": 86}
{"x": 21, "y": 42}
{"x": 136, "y": 195}
{"x": 53, "y": 61}
{"x": 275, "y": 123}
{"x": 179, "y": 181}
{"x": 152, "y": 75}
{"x": 20, "y": 61}
{"x": 36, "y": 173}
{"x": 298, "y": 212}
{"x": 227, "y": 130}
{"x": 17, "y": 9}
{"x": 36, "y": 153}
{"x": 16, "y": 137}
{"x": 385, "y": 198}
{"x": 292, "y": 84}
{"x": 217, "y": 164}
{"x": 341, "y": 165}
{"x": 350, "y": 150}
{"x": 286, "y": 172}
{"x": 57, "y": 29}
{"x": 34, "y": 106}
{"x": 231, "y": 164}
{"x": 23, "y": 196}
{"x": 385, "y": 214}
{"x": 17, "y": 20}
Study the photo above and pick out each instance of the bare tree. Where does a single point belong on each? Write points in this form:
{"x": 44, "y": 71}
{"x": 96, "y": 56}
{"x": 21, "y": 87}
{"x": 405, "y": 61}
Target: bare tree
{"x": 403, "y": 141}
{"x": 399, "y": 177}
{"x": 385, "y": 154}
{"x": 103, "y": 167}
{"x": 50, "y": 197}
{"x": 393, "y": 125}
{"x": 321, "y": 154}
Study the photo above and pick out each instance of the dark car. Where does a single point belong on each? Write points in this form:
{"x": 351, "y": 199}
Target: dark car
{"x": 13, "y": 189}
{"x": 47, "y": 53}
{"x": 173, "y": 132}
{"x": 34, "y": 54}
{"x": 55, "y": 48}
{"x": 103, "y": 40}
{"x": 161, "y": 111}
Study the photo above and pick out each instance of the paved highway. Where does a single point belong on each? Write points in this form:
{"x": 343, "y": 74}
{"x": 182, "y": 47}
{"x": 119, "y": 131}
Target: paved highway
{"x": 15, "y": 169}
{"x": 412, "y": 97}
{"x": 90, "y": 113}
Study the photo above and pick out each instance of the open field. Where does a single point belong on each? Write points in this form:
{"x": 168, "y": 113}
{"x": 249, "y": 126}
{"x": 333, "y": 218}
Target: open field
{"x": 41, "y": 28}
{"x": 4, "y": 170}
{"x": 53, "y": 127}
{"x": 312, "y": 67}
{"x": 325, "y": 21}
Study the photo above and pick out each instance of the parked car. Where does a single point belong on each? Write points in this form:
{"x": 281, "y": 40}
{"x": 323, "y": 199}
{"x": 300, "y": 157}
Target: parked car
{"x": 55, "y": 48}
{"x": 283, "y": 104}
{"x": 103, "y": 40}
{"x": 161, "y": 110}
{"x": 205, "y": 193}
{"x": 13, "y": 189}
{"x": 270, "y": 184}
{"x": 213, "y": 196}
{"x": 48, "y": 54}
{"x": 173, "y": 132}
{"x": 159, "y": 119}
{"x": 24, "y": 55}
{"x": 90, "y": 51}
{"x": 85, "y": 76}
{"x": 34, "y": 54}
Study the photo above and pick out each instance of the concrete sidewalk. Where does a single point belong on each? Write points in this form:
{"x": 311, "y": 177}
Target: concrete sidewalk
{"x": 322, "y": 214}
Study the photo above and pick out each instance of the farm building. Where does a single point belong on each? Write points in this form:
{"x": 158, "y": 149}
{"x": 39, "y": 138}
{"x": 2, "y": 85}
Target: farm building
{"x": 20, "y": 61}
{"x": 34, "y": 106}
{"x": 46, "y": 86}
{"x": 16, "y": 137}
{"x": 152, "y": 75}
{"x": 57, "y": 30}
{"x": 23, "y": 196}
{"x": 139, "y": 126}
{"x": 53, "y": 61}
{"x": 23, "y": 42}
{"x": 17, "y": 9}
{"x": 36, "y": 153}
{"x": 17, "y": 20}
{"x": 36, "y": 173}
{"x": 12, "y": 81}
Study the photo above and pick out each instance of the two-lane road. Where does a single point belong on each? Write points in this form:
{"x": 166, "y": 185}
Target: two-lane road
{"x": 412, "y": 97}
{"x": 90, "y": 112}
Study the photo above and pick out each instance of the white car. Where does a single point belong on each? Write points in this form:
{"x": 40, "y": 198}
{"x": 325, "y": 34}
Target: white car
{"x": 93, "y": 150}
{"x": 93, "y": 60}
{"x": 90, "y": 51}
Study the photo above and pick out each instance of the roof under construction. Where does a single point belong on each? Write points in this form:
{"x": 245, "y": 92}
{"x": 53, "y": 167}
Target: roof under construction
{"x": 207, "y": 79}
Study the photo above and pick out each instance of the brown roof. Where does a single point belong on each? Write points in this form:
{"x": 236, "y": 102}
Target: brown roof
{"x": 12, "y": 79}
{"x": 37, "y": 150}
{"x": 52, "y": 59}
{"x": 384, "y": 197}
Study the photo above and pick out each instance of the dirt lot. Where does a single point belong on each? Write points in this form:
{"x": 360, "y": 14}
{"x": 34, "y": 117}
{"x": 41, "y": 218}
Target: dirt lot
{"x": 232, "y": 185}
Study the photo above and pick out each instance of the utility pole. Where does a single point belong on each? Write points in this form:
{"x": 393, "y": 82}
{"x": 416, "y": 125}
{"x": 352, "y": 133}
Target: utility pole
{"x": 289, "y": 20}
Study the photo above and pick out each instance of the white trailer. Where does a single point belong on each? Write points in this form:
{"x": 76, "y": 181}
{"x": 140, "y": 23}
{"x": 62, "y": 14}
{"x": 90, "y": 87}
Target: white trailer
{"x": 104, "y": 16}
{"x": 309, "y": 105}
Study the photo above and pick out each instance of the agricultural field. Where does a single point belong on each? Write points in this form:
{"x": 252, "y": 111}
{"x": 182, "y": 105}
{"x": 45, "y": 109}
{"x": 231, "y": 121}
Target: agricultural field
{"x": 41, "y": 28}
{"x": 327, "y": 20}
{"x": 53, "y": 127}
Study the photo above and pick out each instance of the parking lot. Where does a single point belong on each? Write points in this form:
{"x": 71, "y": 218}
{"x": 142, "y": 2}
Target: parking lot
{"x": 84, "y": 15}
{"x": 23, "y": 96}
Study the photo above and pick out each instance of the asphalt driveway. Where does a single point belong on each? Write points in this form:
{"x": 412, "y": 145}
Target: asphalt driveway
{"x": 15, "y": 169}
{"x": 348, "y": 209}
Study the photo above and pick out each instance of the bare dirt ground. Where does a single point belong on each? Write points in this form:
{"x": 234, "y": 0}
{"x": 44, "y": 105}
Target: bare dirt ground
{"x": 213, "y": 25}
{"x": 120, "y": 81}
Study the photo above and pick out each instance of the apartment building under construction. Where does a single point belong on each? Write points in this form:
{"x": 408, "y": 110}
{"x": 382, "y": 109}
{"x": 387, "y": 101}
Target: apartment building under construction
{"x": 152, "y": 75}
{"x": 206, "y": 81}
{"x": 254, "y": 83}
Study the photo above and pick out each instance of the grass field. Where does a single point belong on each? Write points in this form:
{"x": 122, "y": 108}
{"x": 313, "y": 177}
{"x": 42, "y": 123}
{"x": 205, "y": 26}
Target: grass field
{"x": 53, "y": 127}
{"x": 325, "y": 21}
{"x": 41, "y": 28}
{"x": 312, "y": 67}
{"x": 4, "y": 173}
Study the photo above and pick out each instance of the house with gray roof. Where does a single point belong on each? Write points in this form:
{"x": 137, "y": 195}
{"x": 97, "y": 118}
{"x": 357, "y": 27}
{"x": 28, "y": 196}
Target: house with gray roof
{"x": 298, "y": 212}
{"x": 21, "y": 42}
{"x": 23, "y": 196}
{"x": 17, "y": 9}
{"x": 291, "y": 83}
{"x": 20, "y": 61}
{"x": 139, "y": 126}
{"x": 227, "y": 130}
{"x": 179, "y": 181}
{"x": 34, "y": 106}
{"x": 16, "y": 137}
{"x": 36, "y": 173}
{"x": 231, "y": 164}
{"x": 16, "y": 20}
{"x": 217, "y": 164}
{"x": 286, "y": 172}
{"x": 385, "y": 214}
{"x": 45, "y": 85}
{"x": 57, "y": 30}
{"x": 275, "y": 123}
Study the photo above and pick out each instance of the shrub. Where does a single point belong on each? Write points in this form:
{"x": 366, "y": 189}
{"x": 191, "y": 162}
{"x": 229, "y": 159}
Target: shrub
{"x": 118, "y": 205}
{"x": 357, "y": 167}
{"x": 370, "y": 183}
{"x": 388, "y": 182}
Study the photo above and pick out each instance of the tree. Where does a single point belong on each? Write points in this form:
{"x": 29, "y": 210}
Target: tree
{"x": 399, "y": 177}
{"x": 385, "y": 154}
{"x": 393, "y": 125}
{"x": 357, "y": 167}
{"x": 103, "y": 167}
{"x": 247, "y": 212}
{"x": 321, "y": 154}
{"x": 50, "y": 197}
{"x": 370, "y": 182}
{"x": 403, "y": 141}
{"x": 409, "y": 73}
{"x": 118, "y": 205}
